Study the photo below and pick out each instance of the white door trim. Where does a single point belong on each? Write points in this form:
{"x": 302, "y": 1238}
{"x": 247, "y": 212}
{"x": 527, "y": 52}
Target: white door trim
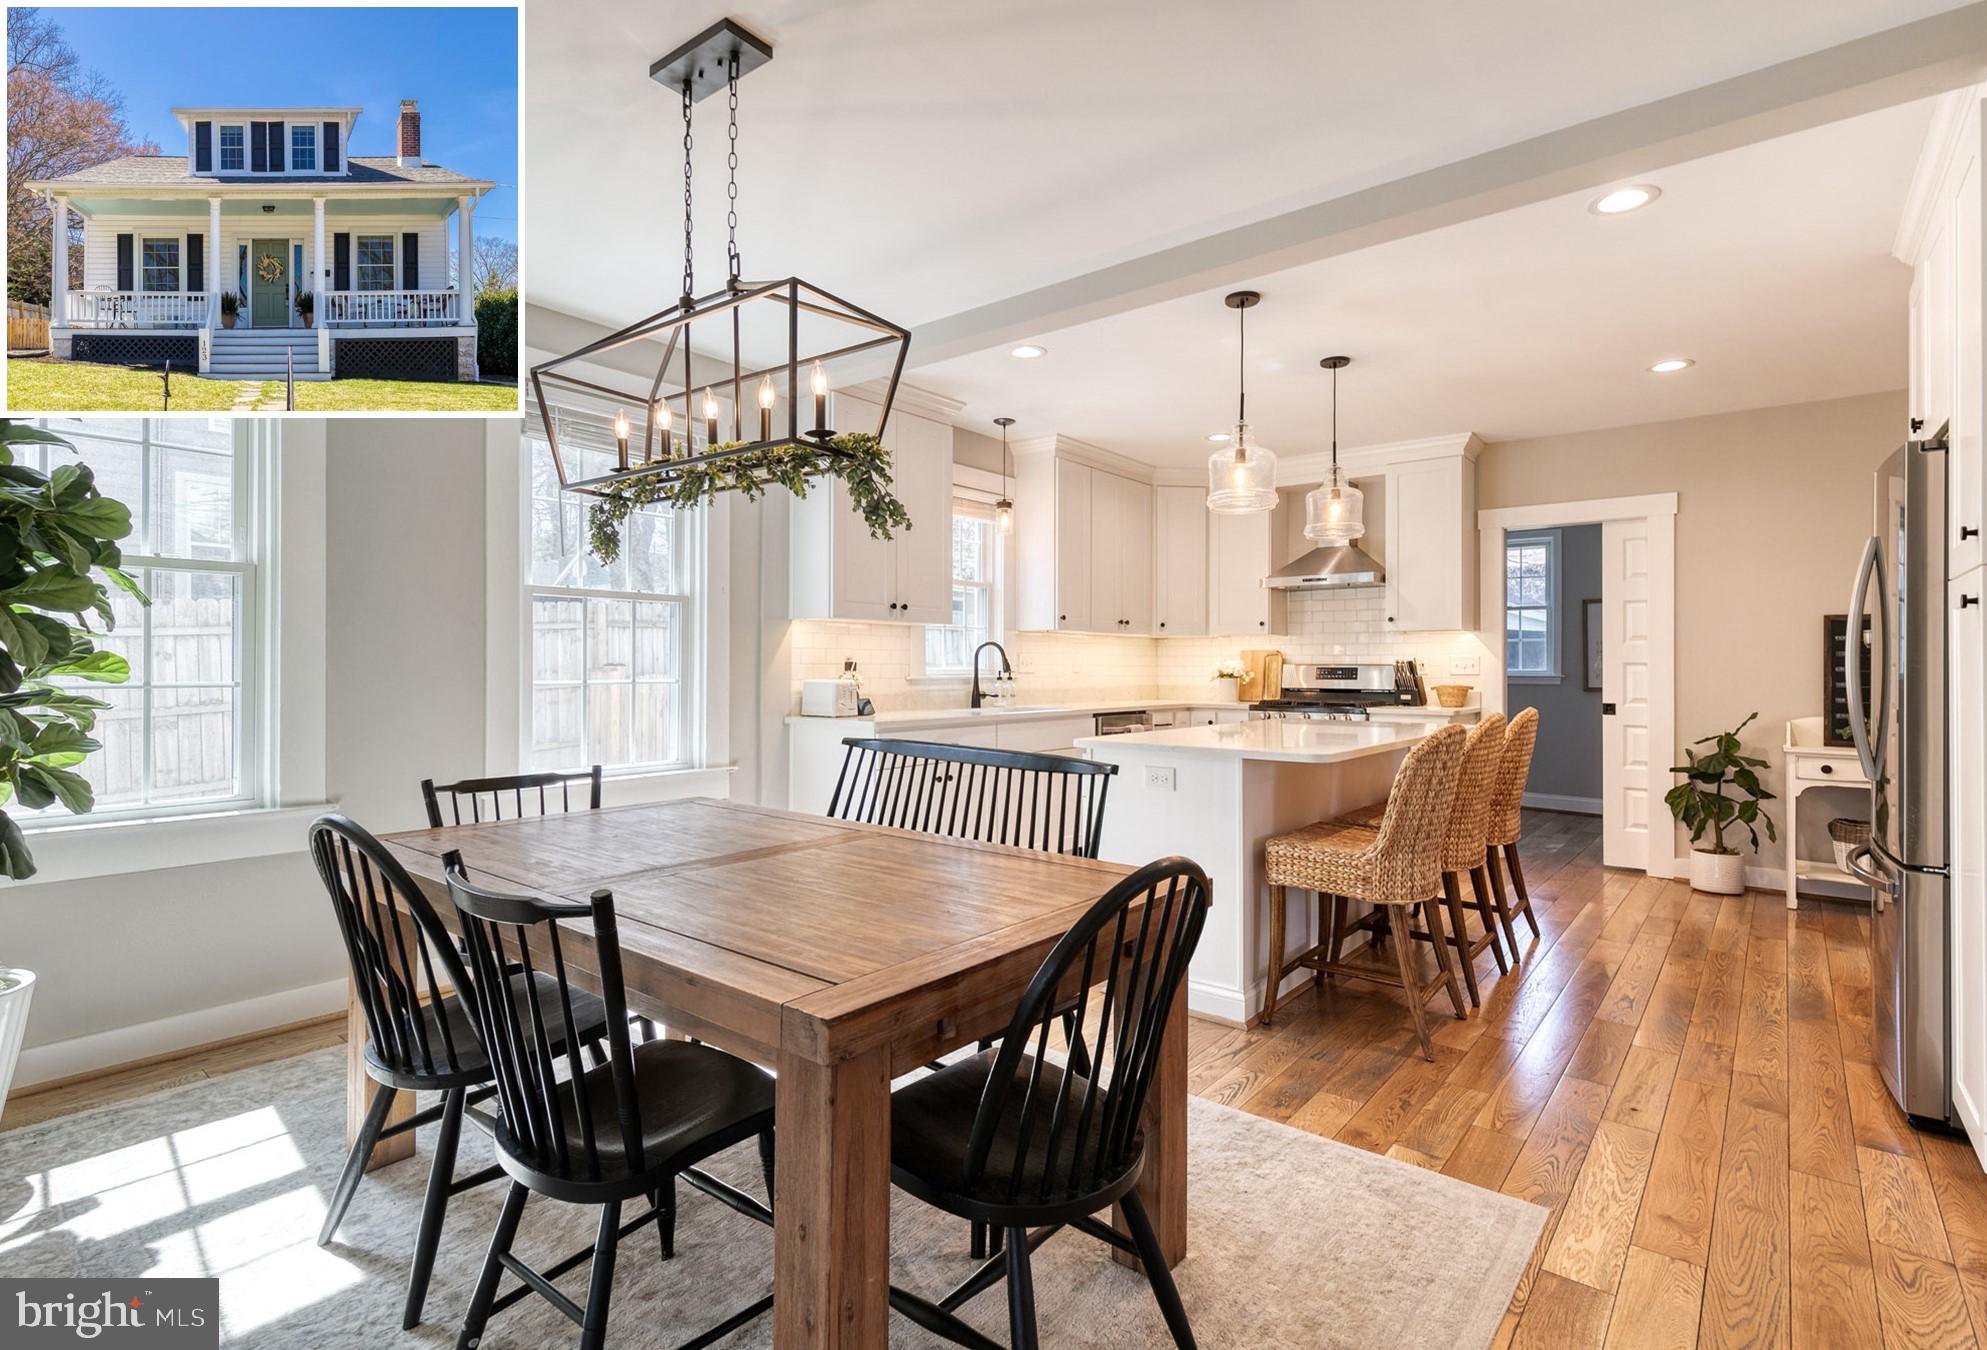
{"x": 1660, "y": 510}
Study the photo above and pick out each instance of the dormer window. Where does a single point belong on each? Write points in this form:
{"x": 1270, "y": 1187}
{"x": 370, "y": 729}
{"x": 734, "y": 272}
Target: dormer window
{"x": 233, "y": 149}
{"x": 303, "y": 148}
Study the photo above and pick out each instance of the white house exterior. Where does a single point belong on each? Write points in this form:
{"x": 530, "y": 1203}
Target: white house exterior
{"x": 264, "y": 204}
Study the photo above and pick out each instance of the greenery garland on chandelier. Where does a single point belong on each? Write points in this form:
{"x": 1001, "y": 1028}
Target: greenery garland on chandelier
{"x": 858, "y": 459}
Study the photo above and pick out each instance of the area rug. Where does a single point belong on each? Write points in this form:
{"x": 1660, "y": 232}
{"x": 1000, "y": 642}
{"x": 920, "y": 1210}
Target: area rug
{"x": 1294, "y": 1240}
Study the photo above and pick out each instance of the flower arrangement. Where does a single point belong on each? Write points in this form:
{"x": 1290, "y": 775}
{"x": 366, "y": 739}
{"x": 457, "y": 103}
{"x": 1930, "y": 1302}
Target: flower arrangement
{"x": 1231, "y": 670}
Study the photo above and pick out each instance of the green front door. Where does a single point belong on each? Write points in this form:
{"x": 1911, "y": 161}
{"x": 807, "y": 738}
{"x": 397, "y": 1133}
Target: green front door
{"x": 269, "y": 281}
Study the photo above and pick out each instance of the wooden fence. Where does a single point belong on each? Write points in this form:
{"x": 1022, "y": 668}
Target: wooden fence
{"x": 27, "y": 326}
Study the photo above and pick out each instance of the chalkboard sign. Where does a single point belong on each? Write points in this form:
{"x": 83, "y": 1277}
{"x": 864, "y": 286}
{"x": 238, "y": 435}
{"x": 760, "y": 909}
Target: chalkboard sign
{"x": 1835, "y": 692}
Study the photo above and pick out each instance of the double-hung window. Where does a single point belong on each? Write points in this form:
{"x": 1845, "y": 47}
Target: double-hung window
{"x": 234, "y": 153}
{"x": 1531, "y": 604}
{"x": 375, "y": 262}
{"x": 303, "y": 148}
{"x": 949, "y": 647}
{"x": 609, "y": 680}
{"x": 181, "y": 733}
{"x": 161, "y": 265}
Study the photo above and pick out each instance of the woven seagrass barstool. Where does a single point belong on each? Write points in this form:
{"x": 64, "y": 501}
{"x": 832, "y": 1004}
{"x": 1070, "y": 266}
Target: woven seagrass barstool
{"x": 1507, "y": 823}
{"x": 1394, "y": 868}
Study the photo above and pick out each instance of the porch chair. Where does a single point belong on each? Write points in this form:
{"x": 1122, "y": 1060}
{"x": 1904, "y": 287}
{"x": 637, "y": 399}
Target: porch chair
{"x": 1013, "y": 1139}
{"x": 1396, "y": 869}
{"x": 419, "y": 1034}
{"x": 1507, "y": 821}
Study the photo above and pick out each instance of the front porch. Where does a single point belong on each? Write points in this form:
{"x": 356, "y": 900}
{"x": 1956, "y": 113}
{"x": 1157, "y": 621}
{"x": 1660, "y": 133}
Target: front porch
{"x": 168, "y": 310}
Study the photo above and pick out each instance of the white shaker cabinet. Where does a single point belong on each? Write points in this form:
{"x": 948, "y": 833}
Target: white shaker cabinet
{"x": 1083, "y": 548}
{"x": 1180, "y": 566}
{"x": 1967, "y": 832}
{"x": 1431, "y": 545}
{"x": 1239, "y": 550}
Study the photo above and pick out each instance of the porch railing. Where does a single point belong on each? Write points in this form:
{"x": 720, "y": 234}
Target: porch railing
{"x": 137, "y": 309}
{"x": 388, "y": 308}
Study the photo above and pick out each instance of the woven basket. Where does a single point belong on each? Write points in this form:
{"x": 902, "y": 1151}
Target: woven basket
{"x": 1847, "y": 835}
{"x": 1452, "y": 695}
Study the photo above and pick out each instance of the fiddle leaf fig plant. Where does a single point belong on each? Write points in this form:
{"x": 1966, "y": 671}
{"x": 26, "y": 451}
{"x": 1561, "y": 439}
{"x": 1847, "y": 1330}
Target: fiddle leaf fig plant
{"x": 58, "y": 548}
{"x": 1700, "y": 801}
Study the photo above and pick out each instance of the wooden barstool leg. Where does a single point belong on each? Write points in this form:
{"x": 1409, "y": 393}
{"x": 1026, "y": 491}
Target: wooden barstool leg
{"x": 1524, "y": 905}
{"x": 1433, "y": 913}
{"x": 1318, "y": 974}
{"x": 1276, "y": 908}
{"x": 1338, "y": 928}
{"x": 1453, "y": 894}
{"x": 1495, "y": 872}
{"x": 1411, "y": 985}
{"x": 1480, "y": 895}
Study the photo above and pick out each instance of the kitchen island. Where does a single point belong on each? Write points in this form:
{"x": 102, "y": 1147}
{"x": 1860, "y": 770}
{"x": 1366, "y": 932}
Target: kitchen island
{"x": 1215, "y": 794}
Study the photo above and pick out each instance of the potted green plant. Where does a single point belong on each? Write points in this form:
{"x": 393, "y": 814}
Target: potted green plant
{"x": 1702, "y": 803}
{"x": 306, "y": 303}
{"x": 58, "y": 549}
{"x": 230, "y": 307}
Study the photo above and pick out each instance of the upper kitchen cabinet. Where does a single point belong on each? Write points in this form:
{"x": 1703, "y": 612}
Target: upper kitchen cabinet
{"x": 1241, "y": 551}
{"x": 1180, "y": 569}
{"x": 1431, "y": 542}
{"x": 838, "y": 570}
{"x": 1085, "y": 561}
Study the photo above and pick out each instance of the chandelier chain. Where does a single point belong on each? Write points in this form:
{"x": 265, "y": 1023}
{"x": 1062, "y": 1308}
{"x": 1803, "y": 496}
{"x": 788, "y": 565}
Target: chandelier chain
{"x": 731, "y": 161}
{"x": 689, "y": 265}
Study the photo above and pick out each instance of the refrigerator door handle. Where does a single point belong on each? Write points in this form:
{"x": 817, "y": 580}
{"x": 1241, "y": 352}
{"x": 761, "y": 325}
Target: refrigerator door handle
{"x": 1868, "y": 754}
{"x": 1884, "y": 887}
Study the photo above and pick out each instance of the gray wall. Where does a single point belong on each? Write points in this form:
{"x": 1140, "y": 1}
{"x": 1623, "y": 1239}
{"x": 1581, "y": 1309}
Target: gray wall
{"x": 1567, "y": 761}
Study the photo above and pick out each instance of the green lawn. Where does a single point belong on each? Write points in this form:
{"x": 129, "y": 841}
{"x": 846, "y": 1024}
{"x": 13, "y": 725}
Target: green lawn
{"x": 402, "y": 396}
{"x": 37, "y": 385}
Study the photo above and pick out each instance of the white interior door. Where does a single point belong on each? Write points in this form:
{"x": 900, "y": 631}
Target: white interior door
{"x": 1636, "y": 636}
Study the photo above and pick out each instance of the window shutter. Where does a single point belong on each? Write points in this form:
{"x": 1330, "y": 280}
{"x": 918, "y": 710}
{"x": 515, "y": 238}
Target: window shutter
{"x": 341, "y": 262}
{"x": 330, "y": 147}
{"x": 410, "y": 261}
{"x": 279, "y": 149}
{"x": 124, "y": 281}
{"x": 203, "y": 147}
{"x": 258, "y": 147}
{"x": 196, "y": 262}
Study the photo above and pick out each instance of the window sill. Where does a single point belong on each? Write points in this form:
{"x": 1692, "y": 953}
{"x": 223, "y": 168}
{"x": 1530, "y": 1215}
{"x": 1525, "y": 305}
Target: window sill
{"x": 1534, "y": 679}
{"x": 153, "y": 843}
{"x": 666, "y": 785}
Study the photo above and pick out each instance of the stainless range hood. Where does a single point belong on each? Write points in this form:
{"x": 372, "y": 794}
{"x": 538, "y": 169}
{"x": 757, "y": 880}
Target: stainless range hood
{"x": 1331, "y": 567}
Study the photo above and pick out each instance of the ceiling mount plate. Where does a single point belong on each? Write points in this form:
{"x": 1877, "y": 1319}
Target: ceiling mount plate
{"x": 1336, "y": 362}
{"x": 1003, "y": 421}
{"x": 705, "y": 60}
{"x": 1241, "y": 299}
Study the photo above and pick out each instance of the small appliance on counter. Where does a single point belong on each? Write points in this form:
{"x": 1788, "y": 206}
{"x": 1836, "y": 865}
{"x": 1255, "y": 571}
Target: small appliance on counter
{"x": 1335, "y": 693}
{"x": 829, "y": 698}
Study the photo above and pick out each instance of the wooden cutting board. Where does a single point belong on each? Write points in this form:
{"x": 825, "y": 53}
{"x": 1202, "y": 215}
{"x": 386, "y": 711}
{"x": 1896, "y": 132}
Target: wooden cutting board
{"x": 1265, "y": 675}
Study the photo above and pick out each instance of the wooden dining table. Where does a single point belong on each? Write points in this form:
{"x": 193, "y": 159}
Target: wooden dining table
{"x": 840, "y": 956}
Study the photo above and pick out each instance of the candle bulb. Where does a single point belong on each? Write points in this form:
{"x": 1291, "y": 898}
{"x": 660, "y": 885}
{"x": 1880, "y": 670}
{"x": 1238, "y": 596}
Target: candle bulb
{"x": 766, "y": 408}
{"x": 662, "y": 421}
{"x": 820, "y": 400}
{"x": 621, "y": 436}
{"x": 710, "y": 420}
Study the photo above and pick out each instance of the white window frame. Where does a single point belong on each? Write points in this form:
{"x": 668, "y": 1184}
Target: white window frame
{"x": 694, "y": 632}
{"x": 220, "y": 149}
{"x": 303, "y": 156}
{"x": 1550, "y": 541}
{"x": 392, "y": 263}
{"x": 996, "y": 587}
{"x": 178, "y": 243}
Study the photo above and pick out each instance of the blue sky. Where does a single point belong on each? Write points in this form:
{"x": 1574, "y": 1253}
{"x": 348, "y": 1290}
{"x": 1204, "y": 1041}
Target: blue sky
{"x": 461, "y": 64}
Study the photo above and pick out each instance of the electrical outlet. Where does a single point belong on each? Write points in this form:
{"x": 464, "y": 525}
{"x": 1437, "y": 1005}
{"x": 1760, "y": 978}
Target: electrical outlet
{"x": 1159, "y": 777}
{"x": 1464, "y": 665}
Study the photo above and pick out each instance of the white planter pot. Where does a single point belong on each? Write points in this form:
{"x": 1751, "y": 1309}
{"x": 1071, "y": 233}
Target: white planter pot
{"x": 14, "y": 999}
{"x": 1718, "y": 873}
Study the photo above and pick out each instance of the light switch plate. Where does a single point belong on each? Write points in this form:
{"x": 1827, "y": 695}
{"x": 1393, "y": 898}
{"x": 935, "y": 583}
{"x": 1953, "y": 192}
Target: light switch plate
{"x": 1160, "y": 776}
{"x": 1464, "y": 665}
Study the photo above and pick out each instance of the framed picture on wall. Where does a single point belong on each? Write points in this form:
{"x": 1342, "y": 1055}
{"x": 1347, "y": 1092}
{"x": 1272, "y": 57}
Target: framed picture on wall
{"x": 1590, "y": 633}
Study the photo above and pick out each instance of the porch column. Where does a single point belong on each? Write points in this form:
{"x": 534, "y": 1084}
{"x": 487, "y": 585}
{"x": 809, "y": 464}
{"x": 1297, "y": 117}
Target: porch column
{"x": 213, "y": 264}
{"x": 58, "y": 282}
{"x": 465, "y": 253}
{"x": 321, "y": 306}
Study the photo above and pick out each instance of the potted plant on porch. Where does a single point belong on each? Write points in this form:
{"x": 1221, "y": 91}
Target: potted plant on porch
{"x": 306, "y": 304}
{"x": 1701, "y": 803}
{"x": 58, "y": 547}
{"x": 230, "y": 307}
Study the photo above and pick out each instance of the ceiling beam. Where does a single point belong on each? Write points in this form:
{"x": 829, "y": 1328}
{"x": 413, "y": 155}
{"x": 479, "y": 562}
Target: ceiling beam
{"x": 1898, "y": 65}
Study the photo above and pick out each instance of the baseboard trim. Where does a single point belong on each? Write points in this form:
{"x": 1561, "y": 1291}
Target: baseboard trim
{"x": 123, "y": 1047}
{"x": 1554, "y": 801}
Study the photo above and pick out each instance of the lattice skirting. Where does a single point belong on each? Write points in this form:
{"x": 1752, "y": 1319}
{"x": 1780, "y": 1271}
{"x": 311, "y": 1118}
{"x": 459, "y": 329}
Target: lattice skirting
{"x": 138, "y": 349}
{"x": 394, "y": 358}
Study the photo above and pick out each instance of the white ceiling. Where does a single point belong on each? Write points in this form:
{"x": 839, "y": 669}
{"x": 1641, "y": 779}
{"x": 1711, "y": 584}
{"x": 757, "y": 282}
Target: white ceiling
{"x": 1768, "y": 266}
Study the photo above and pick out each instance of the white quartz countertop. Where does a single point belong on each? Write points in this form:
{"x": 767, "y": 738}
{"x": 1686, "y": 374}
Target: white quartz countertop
{"x": 1296, "y": 742}
{"x": 964, "y": 717}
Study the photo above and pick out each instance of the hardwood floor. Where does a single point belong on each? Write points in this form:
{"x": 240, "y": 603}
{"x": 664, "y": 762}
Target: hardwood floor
{"x": 1685, "y": 1080}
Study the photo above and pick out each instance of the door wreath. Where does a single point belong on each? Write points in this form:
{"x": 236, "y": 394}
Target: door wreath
{"x": 270, "y": 269}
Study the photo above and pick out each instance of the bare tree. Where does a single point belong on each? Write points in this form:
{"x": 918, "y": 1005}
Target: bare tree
{"x": 495, "y": 267}
{"x": 60, "y": 118}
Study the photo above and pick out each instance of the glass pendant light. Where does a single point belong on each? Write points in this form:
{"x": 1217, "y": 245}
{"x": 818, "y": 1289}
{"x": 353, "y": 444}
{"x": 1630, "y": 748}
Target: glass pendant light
{"x": 1004, "y": 509}
{"x": 1241, "y": 475}
{"x": 1335, "y": 511}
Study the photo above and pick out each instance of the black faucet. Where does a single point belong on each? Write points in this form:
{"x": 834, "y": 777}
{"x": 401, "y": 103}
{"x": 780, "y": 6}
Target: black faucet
{"x": 1005, "y": 668}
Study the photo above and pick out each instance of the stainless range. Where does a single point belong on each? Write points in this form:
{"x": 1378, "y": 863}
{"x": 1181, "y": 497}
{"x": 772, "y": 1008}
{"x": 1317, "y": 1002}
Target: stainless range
{"x": 1336, "y": 693}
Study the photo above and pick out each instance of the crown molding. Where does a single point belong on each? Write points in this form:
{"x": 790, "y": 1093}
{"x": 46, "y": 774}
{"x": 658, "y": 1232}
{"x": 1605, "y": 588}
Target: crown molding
{"x": 1082, "y": 452}
{"x": 910, "y": 398}
{"x": 1942, "y": 143}
{"x": 1370, "y": 459}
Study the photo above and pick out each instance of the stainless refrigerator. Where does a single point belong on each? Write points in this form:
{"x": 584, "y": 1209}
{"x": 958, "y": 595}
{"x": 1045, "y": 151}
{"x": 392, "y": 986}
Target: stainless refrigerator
{"x": 1900, "y": 733}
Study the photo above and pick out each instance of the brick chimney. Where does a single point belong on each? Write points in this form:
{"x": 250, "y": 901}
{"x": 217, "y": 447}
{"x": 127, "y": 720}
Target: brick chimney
{"x": 410, "y": 134}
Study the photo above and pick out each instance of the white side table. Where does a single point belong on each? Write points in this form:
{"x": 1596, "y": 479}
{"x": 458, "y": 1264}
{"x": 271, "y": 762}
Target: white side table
{"x": 1808, "y": 764}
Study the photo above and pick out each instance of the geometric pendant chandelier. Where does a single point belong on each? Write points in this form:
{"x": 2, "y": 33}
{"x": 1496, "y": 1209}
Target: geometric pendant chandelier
{"x": 745, "y": 371}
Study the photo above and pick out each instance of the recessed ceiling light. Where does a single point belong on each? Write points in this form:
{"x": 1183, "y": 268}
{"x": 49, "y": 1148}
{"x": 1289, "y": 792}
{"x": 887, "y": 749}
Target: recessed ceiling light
{"x": 1217, "y": 436}
{"x": 1624, "y": 199}
{"x": 1671, "y": 366}
{"x": 1027, "y": 351}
